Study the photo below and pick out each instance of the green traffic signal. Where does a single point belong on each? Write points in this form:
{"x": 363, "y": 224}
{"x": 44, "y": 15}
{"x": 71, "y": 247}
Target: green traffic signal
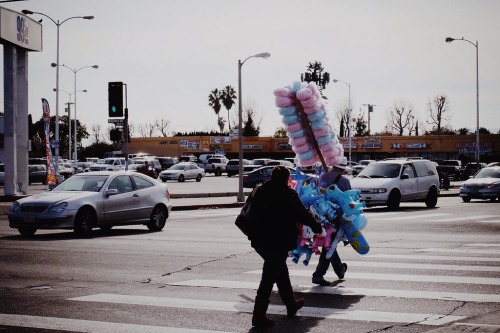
{"x": 115, "y": 99}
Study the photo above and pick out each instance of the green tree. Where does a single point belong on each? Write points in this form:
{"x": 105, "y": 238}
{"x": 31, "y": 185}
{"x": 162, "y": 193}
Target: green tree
{"x": 214, "y": 102}
{"x": 463, "y": 131}
{"x": 360, "y": 125}
{"x": 249, "y": 126}
{"x": 228, "y": 95}
{"x": 316, "y": 73}
{"x": 37, "y": 134}
{"x": 280, "y": 133}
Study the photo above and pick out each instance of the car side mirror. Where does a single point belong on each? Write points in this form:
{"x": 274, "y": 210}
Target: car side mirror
{"x": 404, "y": 176}
{"x": 111, "y": 191}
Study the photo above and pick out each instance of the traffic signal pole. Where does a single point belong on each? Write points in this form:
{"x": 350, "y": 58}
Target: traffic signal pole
{"x": 125, "y": 130}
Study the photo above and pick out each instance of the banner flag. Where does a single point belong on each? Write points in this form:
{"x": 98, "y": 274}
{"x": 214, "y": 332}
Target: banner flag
{"x": 51, "y": 172}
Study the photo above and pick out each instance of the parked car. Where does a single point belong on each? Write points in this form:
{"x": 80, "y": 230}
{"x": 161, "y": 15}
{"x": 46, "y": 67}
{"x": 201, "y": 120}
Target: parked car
{"x": 109, "y": 164}
{"x": 66, "y": 170}
{"x": 451, "y": 169}
{"x": 167, "y": 162}
{"x": 94, "y": 200}
{"x": 188, "y": 158}
{"x": 471, "y": 169}
{"x": 84, "y": 165}
{"x": 182, "y": 171}
{"x": 260, "y": 175}
{"x": 388, "y": 183}
{"x": 281, "y": 162}
{"x": 361, "y": 165}
{"x": 216, "y": 165}
{"x": 37, "y": 173}
{"x": 144, "y": 169}
{"x": 484, "y": 185}
{"x": 233, "y": 166}
{"x": 203, "y": 158}
{"x": 150, "y": 161}
{"x": 293, "y": 160}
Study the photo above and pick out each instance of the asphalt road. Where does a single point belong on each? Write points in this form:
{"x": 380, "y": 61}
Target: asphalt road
{"x": 428, "y": 270}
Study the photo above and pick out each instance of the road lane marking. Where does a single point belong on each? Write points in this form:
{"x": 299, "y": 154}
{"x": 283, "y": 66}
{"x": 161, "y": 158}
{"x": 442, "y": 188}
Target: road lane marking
{"x": 345, "y": 291}
{"x": 424, "y": 266}
{"x": 247, "y": 307}
{"x": 409, "y": 217}
{"x": 442, "y": 258}
{"x": 88, "y": 326}
{"x": 443, "y": 250}
{"x": 464, "y": 218}
{"x": 404, "y": 277}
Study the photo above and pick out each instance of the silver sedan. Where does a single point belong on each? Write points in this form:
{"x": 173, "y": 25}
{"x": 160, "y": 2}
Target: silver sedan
{"x": 100, "y": 199}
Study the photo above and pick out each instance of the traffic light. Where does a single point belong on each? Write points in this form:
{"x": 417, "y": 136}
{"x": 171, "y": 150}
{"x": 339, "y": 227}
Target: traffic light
{"x": 115, "y": 99}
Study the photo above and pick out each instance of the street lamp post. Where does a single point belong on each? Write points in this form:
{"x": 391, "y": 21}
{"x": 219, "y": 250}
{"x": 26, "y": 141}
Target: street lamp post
{"x": 476, "y": 45}
{"x": 58, "y": 24}
{"x": 349, "y": 118}
{"x": 241, "y": 196}
{"x": 75, "y": 156}
{"x": 69, "y": 117}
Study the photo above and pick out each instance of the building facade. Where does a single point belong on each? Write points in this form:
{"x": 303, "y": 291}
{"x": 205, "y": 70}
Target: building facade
{"x": 433, "y": 147}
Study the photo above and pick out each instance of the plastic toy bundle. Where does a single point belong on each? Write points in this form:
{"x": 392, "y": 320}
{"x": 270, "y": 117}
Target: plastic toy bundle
{"x": 304, "y": 116}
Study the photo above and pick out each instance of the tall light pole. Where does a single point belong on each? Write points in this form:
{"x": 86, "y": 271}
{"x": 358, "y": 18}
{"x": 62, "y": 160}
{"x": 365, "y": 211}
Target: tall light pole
{"x": 476, "y": 45}
{"x": 241, "y": 196}
{"x": 58, "y": 24}
{"x": 74, "y": 70}
{"x": 349, "y": 118}
{"x": 69, "y": 115}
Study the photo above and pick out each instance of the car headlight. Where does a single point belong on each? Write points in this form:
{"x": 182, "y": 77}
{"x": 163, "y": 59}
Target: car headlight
{"x": 492, "y": 185}
{"x": 15, "y": 207}
{"x": 59, "y": 208}
{"x": 377, "y": 190}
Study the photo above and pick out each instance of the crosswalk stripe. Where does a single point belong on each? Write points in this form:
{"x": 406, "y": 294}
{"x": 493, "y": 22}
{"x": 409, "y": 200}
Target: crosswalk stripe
{"x": 434, "y": 258}
{"x": 404, "y": 277}
{"x": 88, "y": 326}
{"x": 410, "y": 217}
{"x": 247, "y": 307}
{"x": 464, "y": 218}
{"x": 423, "y": 266}
{"x": 345, "y": 291}
{"x": 466, "y": 250}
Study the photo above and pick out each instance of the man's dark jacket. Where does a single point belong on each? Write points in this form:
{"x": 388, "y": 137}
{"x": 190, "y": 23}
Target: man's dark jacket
{"x": 276, "y": 210}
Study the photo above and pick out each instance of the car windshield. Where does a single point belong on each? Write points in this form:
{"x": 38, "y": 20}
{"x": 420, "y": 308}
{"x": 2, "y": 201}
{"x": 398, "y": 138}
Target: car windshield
{"x": 177, "y": 167}
{"x": 488, "y": 173}
{"x": 382, "y": 170}
{"x": 81, "y": 183}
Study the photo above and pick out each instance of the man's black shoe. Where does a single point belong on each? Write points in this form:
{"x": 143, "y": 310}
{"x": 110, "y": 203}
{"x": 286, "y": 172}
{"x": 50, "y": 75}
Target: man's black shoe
{"x": 321, "y": 281}
{"x": 341, "y": 274}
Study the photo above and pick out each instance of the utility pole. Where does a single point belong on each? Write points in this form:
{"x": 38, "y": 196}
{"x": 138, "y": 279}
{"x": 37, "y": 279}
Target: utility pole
{"x": 370, "y": 110}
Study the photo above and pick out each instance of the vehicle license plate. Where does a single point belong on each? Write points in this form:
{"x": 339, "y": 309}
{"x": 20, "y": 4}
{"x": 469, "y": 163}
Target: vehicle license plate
{"x": 29, "y": 218}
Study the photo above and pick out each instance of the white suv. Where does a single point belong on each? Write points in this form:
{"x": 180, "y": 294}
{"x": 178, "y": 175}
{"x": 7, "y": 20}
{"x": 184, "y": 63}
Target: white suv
{"x": 109, "y": 164}
{"x": 387, "y": 183}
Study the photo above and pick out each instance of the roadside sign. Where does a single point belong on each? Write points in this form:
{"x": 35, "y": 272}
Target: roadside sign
{"x": 117, "y": 122}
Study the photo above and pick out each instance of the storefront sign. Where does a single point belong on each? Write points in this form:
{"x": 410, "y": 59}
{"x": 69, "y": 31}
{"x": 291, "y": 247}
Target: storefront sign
{"x": 283, "y": 146}
{"x": 217, "y": 140}
{"x": 252, "y": 147}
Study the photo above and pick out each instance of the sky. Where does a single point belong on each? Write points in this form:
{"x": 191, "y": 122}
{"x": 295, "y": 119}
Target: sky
{"x": 172, "y": 54}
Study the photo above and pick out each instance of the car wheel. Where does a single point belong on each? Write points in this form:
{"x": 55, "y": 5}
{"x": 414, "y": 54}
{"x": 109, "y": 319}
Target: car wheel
{"x": 394, "y": 199}
{"x": 198, "y": 178}
{"x": 493, "y": 199}
{"x": 432, "y": 198}
{"x": 44, "y": 181}
{"x": 181, "y": 178}
{"x": 218, "y": 172}
{"x": 84, "y": 221}
{"x": 27, "y": 231}
{"x": 106, "y": 228}
{"x": 158, "y": 218}
{"x": 466, "y": 199}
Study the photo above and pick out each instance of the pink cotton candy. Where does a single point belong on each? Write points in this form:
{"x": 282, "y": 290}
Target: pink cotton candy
{"x": 322, "y": 132}
{"x": 298, "y": 141}
{"x": 283, "y": 92}
{"x": 293, "y": 127}
{"x": 308, "y": 162}
{"x": 326, "y": 147}
{"x": 302, "y": 148}
{"x": 309, "y": 102}
{"x": 303, "y": 94}
{"x": 283, "y": 101}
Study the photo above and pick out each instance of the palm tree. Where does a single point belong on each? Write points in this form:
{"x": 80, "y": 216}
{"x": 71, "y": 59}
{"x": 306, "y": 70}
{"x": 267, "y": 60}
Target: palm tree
{"x": 214, "y": 101}
{"x": 228, "y": 95}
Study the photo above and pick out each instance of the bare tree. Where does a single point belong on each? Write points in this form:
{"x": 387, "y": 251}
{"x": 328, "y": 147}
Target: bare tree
{"x": 437, "y": 110}
{"x": 162, "y": 126}
{"x": 400, "y": 117}
{"x": 343, "y": 118}
{"x": 96, "y": 133}
{"x": 146, "y": 130}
